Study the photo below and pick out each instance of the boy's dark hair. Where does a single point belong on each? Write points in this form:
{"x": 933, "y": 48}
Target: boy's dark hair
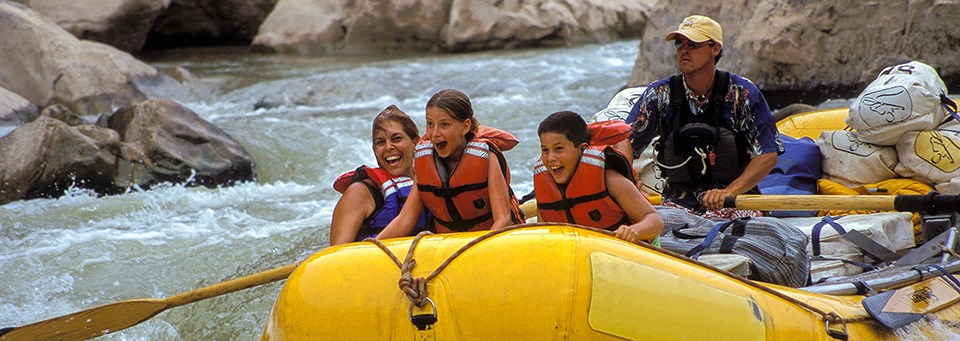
{"x": 568, "y": 123}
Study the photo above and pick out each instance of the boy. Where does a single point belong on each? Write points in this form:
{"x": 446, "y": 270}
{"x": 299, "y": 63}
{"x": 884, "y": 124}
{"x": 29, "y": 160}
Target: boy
{"x": 581, "y": 179}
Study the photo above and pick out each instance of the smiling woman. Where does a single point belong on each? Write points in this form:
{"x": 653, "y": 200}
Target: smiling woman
{"x": 372, "y": 197}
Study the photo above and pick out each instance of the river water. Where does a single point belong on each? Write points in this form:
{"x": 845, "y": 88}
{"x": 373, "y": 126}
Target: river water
{"x": 304, "y": 121}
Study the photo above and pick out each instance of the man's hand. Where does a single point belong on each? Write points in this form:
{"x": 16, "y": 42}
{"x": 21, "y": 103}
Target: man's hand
{"x": 713, "y": 199}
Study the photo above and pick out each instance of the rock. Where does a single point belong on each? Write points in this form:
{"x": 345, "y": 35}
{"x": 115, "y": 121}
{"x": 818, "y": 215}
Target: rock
{"x": 174, "y": 144}
{"x": 316, "y": 27}
{"x": 154, "y": 141}
{"x": 47, "y": 65}
{"x": 45, "y": 157}
{"x": 123, "y": 24}
{"x": 480, "y": 24}
{"x": 835, "y": 48}
{"x": 14, "y": 109}
{"x": 319, "y": 27}
{"x": 180, "y": 74}
{"x": 63, "y": 114}
{"x": 208, "y": 22}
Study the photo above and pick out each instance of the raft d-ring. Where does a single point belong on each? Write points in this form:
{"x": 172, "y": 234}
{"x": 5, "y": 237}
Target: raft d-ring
{"x": 836, "y": 334}
{"x": 423, "y": 321}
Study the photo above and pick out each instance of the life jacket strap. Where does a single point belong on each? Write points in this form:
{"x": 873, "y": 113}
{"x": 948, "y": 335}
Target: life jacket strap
{"x": 464, "y": 224}
{"x": 563, "y": 205}
{"x": 450, "y": 192}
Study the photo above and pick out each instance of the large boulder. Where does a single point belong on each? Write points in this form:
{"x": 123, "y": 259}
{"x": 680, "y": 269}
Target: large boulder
{"x": 208, "y": 22}
{"x": 47, "y": 65}
{"x": 142, "y": 145}
{"x": 45, "y": 157}
{"x": 123, "y": 24}
{"x": 481, "y": 24}
{"x": 167, "y": 142}
{"x": 834, "y": 48}
{"x": 318, "y": 27}
{"x": 14, "y": 109}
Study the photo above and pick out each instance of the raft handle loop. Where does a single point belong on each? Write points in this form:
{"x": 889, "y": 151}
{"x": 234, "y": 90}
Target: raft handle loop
{"x": 424, "y": 321}
{"x": 836, "y": 334}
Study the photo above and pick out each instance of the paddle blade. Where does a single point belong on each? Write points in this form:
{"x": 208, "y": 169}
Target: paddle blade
{"x": 897, "y": 308}
{"x": 89, "y": 323}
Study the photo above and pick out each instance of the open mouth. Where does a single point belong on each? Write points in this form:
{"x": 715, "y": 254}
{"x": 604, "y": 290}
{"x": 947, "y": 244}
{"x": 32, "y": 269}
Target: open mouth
{"x": 440, "y": 145}
{"x": 392, "y": 160}
{"x": 557, "y": 170}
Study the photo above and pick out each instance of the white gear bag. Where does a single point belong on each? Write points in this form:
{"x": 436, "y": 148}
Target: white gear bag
{"x": 904, "y": 97}
{"x": 933, "y": 155}
{"x": 849, "y": 161}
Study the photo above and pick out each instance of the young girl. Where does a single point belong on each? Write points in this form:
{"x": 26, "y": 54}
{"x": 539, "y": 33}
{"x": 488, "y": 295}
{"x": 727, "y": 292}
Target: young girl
{"x": 372, "y": 197}
{"x": 462, "y": 178}
{"x": 581, "y": 179}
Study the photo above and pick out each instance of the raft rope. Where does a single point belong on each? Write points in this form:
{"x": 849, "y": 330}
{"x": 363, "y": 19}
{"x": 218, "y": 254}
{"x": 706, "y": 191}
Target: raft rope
{"x": 700, "y": 152}
{"x": 415, "y": 288}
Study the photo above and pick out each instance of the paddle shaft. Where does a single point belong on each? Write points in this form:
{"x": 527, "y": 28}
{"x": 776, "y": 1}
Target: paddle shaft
{"x": 904, "y": 203}
{"x": 227, "y": 287}
{"x": 112, "y": 317}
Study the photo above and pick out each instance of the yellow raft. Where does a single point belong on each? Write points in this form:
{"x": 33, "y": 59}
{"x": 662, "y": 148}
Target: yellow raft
{"x": 811, "y": 124}
{"x": 552, "y": 282}
{"x": 561, "y": 282}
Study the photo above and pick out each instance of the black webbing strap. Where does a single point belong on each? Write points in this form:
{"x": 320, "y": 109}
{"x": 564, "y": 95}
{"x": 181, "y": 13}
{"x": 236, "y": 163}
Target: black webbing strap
{"x": 450, "y": 192}
{"x": 866, "y": 245}
{"x": 729, "y": 240}
{"x": 950, "y": 106}
{"x": 464, "y": 224}
{"x": 562, "y": 205}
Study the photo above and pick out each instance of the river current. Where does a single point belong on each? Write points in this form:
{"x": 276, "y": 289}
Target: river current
{"x": 304, "y": 121}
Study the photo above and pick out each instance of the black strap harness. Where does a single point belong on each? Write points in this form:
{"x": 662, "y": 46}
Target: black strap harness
{"x": 700, "y": 149}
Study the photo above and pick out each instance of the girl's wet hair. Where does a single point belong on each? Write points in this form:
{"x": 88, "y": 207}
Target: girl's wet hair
{"x": 394, "y": 114}
{"x": 568, "y": 123}
{"x": 457, "y": 104}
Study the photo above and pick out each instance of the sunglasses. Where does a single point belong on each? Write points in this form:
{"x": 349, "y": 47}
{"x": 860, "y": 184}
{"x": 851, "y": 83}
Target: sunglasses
{"x": 691, "y": 44}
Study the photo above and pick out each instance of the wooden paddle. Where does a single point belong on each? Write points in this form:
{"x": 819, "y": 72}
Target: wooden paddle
{"x": 900, "y": 307}
{"x": 112, "y": 317}
{"x": 904, "y": 203}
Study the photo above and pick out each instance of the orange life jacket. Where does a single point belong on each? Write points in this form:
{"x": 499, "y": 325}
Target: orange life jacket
{"x": 585, "y": 201}
{"x": 463, "y": 204}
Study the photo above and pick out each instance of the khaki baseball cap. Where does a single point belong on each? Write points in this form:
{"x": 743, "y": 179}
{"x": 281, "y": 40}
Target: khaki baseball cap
{"x": 698, "y": 29}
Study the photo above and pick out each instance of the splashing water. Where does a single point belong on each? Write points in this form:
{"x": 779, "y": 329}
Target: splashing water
{"x": 304, "y": 121}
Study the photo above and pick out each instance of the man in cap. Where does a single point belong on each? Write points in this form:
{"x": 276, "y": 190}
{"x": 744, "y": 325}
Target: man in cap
{"x": 718, "y": 138}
